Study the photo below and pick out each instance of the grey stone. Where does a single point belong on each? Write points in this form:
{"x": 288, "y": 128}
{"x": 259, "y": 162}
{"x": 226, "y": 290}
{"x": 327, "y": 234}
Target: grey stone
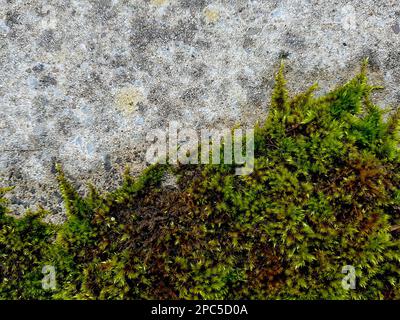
{"x": 82, "y": 82}
{"x": 396, "y": 28}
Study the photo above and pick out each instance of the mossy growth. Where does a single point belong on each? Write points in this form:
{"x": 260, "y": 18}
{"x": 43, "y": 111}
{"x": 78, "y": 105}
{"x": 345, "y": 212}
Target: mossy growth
{"x": 324, "y": 194}
{"x": 24, "y": 244}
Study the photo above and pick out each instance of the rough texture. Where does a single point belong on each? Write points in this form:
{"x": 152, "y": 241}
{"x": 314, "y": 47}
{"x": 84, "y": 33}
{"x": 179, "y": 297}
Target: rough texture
{"x": 81, "y": 82}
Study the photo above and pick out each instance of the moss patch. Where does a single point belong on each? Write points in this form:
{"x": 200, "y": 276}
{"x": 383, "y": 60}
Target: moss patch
{"x": 324, "y": 194}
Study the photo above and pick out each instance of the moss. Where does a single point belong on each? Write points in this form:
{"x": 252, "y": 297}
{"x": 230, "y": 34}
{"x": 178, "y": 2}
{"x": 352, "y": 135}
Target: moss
{"x": 24, "y": 248}
{"x": 324, "y": 194}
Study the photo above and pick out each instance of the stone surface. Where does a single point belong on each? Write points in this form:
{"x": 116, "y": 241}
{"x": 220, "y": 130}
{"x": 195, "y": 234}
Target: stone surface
{"x": 81, "y": 82}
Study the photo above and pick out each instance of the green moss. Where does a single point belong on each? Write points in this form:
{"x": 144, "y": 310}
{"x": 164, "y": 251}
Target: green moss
{"x": 324, "y": 194}
{"x": 24, "y": 247}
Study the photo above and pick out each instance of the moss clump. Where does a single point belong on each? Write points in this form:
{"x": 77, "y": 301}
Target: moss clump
{"x": 24, "y": 244}
{"x": 324, "y": 194}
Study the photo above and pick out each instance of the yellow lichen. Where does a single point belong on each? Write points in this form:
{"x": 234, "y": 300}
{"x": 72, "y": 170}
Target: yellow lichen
{"x": 211, "y": 15}
{"x": 159, "y": 3}
{"x": 128, "y": 98}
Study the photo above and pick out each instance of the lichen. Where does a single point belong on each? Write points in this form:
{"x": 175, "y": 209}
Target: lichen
{"x": 211, "y": 15}
{"x": 128, "y": 98}
{"x": 159, "y": 2}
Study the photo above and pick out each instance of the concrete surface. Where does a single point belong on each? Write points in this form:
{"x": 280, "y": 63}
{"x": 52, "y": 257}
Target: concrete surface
{"x": 81, "y": 82}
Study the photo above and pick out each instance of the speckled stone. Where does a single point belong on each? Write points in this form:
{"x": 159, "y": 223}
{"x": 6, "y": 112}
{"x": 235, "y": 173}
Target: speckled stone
{"x": 82, "y": 82}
